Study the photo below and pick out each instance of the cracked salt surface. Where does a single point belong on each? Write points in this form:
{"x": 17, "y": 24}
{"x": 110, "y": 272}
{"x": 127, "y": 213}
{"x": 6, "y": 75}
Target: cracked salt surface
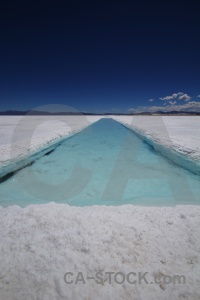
{"x": 40, "y": 243}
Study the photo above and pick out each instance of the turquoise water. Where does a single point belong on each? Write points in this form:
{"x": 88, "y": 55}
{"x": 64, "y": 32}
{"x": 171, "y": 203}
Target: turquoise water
{"x": 105, "y": 164}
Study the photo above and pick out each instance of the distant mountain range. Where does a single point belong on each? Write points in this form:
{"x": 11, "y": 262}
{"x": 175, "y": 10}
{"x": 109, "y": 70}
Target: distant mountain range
{"x": 35, "y": 113}
{"x": 45, "y": 113}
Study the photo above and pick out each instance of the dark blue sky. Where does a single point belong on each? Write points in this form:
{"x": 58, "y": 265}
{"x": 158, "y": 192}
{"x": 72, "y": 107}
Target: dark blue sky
{"x": 98, "y": 55}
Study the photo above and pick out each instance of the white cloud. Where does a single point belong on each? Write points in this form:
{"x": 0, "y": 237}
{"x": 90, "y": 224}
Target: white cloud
{"x": 198, "y": 96}
{"x": 151, "y": 100}
{"x": 187, "y": 107}
{"x": 184, "y": 97}
{"x": 172, "y": 102}
{"x": 172, "y": 97}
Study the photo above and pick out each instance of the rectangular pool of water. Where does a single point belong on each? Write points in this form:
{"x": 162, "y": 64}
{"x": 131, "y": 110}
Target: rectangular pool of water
{"x": 105, "y": 164}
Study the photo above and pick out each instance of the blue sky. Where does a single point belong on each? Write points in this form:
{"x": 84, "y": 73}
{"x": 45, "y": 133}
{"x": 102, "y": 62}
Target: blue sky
{"x": 99, "y": 56}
